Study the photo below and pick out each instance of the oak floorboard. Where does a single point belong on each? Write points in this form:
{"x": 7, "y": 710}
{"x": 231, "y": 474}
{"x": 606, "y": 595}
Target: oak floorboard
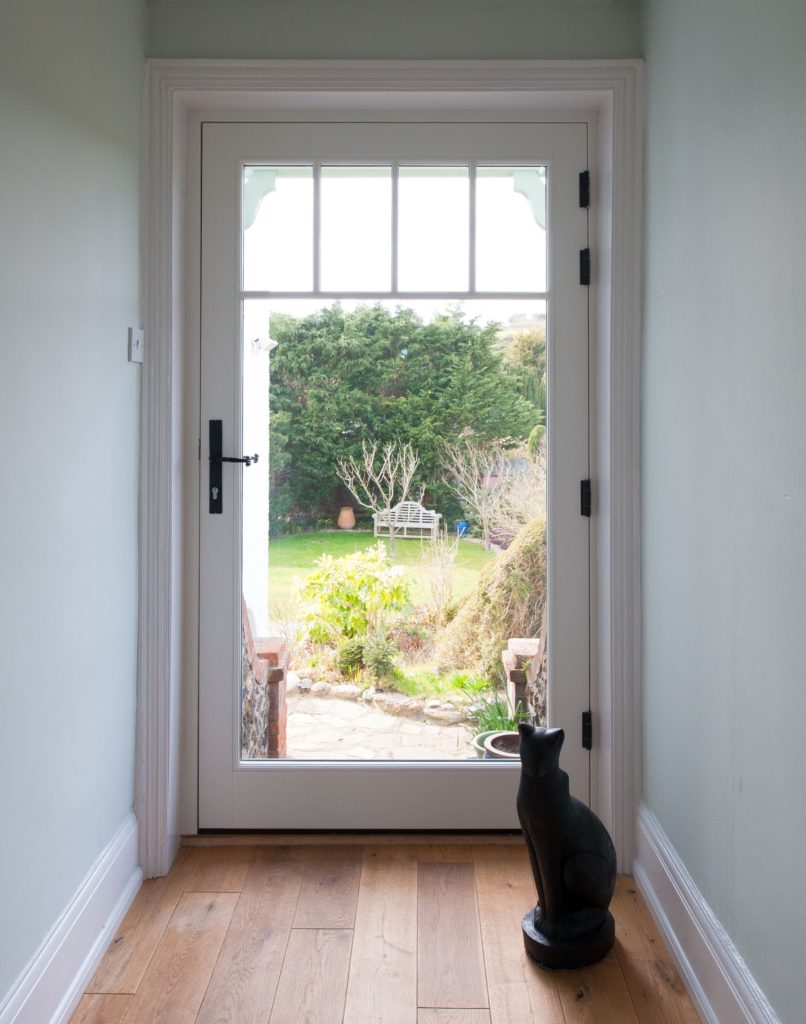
{"x": 428, "y": 1015}
{"x": 657, "y": 989}
{"x": 520, "y": 992}
{"x": 597, "y": 994}
{"x": 129, "y": 953}
{"x": 221, "y": 869}
{"x": 452, "y": 853}
{"x": 313, "y": 981}
{"x": 450, "y": 962}
{"x": 329, "y": 893}
{"x": 173, "y": 987}
{"x": 101, "y": 1008}
{"x": 244, "y": 981}
{"x": 199, "y": 958}
{"x": 382, "y": 983}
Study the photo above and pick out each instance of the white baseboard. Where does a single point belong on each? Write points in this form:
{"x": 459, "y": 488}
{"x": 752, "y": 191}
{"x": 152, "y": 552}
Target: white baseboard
{"x": 50, "y": 987}
{"x": 718, "y": 980}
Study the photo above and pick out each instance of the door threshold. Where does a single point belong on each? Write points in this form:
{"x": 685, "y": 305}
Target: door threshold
{"x": 483, "y": 837}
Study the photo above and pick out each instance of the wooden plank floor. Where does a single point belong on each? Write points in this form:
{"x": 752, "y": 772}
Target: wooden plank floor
{"x": 389, "y": 934}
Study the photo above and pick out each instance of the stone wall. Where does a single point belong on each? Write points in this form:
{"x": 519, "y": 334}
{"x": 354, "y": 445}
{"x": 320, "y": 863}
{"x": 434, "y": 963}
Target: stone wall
{"x": 264, "y": 711}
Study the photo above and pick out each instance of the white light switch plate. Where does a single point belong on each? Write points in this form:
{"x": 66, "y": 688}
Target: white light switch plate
{"x": 136, "y": 345}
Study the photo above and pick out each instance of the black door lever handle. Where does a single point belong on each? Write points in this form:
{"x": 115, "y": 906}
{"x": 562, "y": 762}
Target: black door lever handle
{"x": 216, "y": 507}
{"x": 247, "y": 460}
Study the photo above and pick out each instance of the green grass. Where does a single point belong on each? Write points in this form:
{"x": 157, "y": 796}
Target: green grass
{"x": 292, "y": 558}
{"x": 421, "y": 681}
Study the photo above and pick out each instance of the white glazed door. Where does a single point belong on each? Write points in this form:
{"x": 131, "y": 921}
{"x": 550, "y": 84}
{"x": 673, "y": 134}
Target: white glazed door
{"x": 306, "y": 158}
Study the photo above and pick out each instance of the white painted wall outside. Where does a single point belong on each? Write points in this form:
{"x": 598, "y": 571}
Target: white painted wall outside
{"x": 724, "y": 467}
{"x": 70, "y": 102}
{"x": 256, "y": 356}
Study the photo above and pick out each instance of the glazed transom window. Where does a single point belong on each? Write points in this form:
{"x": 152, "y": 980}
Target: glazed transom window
{"x": 394, "y": 230}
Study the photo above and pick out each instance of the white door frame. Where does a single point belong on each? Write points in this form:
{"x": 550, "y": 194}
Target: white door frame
{"x": 176, "y": 94}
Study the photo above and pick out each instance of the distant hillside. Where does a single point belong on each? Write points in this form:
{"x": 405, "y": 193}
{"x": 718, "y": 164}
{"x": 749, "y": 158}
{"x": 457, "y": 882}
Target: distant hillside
{"x": 520, "y": 323}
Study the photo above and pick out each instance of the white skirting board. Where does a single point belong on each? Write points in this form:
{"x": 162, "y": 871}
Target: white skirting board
{"x": 51, "y": 985}
{"x": 717, "y": 978}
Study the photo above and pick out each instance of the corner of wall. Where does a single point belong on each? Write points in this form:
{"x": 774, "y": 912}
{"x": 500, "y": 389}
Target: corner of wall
{"x": 51, "y": 984}
{"x": 716, "y": 976}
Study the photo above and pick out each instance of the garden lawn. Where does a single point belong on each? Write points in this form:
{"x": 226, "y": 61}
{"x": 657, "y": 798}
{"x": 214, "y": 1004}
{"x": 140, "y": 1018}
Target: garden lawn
{"x": 292, "y": 558}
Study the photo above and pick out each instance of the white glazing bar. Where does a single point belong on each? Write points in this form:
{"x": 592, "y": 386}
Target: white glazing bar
{"x": 395, "y": 177}
{"x": 317, "y": 219}
{"x": 472, "y": 238}
{"x": 430, "y": 296}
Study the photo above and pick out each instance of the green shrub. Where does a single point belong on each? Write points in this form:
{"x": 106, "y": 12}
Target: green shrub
{"x": 349, "y": 596}
{"x": 350, "y": 656}
{"x": 380, "y": 652}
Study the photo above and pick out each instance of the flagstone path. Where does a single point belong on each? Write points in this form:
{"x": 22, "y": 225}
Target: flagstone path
{"x": 333, "y": 729}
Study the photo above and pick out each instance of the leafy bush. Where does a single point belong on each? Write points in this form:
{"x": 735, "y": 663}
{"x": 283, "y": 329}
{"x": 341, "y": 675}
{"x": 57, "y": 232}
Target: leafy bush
{"x": 350, "y": 656}
{"x": 380, "y": 652}
{"x": 349, "y": 596}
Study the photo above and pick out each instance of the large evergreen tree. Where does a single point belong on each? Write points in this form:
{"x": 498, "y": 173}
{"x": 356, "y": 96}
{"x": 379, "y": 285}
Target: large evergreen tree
{"x": 339, "y": 378}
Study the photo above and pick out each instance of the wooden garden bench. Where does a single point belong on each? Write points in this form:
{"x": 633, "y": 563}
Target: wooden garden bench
{"x": 407, "y": 519}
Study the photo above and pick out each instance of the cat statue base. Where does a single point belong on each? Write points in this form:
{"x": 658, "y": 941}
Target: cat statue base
{"x": 569, "y": 955}
{"x": 572, "y": 857}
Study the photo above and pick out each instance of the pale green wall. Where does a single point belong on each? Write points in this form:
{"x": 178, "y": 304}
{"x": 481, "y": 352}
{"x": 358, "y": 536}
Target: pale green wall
{"x": 724, "y": 466}
{"x": 355, "y": 29}
{"x": 70, "y": 99}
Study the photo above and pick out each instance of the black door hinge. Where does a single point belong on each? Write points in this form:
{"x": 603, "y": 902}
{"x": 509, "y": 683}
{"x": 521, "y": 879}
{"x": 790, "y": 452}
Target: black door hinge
{"x": 584, "y": 266}
{"x": 585, "y": 498}
{"x": 587, "y": 730}
{"x": 584, "y": 189}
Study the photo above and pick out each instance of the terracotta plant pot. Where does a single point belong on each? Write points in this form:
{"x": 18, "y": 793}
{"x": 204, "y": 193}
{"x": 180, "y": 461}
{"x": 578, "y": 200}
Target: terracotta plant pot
{"x": 346, "y": 520}
{"x": 478, "y": 741}
{"x": 503, "y": 746}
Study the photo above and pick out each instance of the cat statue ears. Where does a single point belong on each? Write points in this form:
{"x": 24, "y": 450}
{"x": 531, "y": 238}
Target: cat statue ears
{"x": 554, "y": 736}
{"x": 540, "y": 749}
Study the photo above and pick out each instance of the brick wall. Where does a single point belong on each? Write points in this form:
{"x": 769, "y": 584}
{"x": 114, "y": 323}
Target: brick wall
{"x": 263, "y": 697}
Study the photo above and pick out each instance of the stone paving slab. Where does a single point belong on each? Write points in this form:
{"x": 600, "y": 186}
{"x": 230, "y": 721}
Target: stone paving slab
{"x": 341, "y": 729}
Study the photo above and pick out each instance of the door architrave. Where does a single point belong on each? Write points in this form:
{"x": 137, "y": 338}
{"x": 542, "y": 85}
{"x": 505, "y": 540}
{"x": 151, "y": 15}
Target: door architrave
{"x": 179, "y": 94}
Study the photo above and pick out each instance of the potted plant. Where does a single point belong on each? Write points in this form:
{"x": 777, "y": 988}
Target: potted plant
{"x": 494, "y": 718}
{"x": 503, "y": 746}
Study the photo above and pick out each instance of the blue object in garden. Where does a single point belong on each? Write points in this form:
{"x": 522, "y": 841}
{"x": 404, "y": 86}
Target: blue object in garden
{"x": 462, "y": 526}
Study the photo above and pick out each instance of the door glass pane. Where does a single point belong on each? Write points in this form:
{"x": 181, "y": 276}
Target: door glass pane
{"x": 366, "y": 638}
{"x": 433, "y": 229}
{"x": 356, "y": 229}
{"x": 511, "y": 229}
{"x": 278, "y": 229}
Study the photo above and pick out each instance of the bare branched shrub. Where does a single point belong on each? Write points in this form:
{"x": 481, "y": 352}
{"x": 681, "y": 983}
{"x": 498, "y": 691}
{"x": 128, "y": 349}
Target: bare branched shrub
{"x": 502, "y": 487}
{"x": 382, "y": 477}
{"x": 438, "y": 556}
{"x": 473, "y": 469}
{"x": 521, "y": 494}
{"x": 284, "y": 624}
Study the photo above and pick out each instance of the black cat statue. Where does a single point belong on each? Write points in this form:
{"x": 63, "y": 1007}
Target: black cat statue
{"x": 572, "y": 857}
